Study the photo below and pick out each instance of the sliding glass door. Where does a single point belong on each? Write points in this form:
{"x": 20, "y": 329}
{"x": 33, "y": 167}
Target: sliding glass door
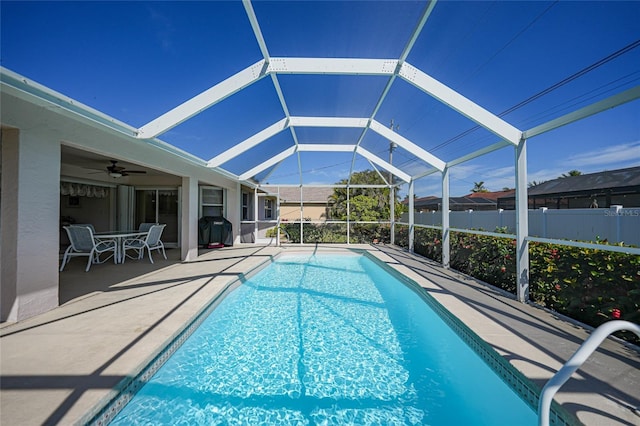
{"x": 160, "y": 205}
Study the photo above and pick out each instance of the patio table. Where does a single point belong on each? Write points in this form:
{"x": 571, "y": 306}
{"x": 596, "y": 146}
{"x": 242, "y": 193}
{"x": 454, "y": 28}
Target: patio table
{"x": 119, "y": 237}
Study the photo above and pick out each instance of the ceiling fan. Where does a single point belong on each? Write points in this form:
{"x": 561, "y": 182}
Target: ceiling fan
{"x": 116, "y": 171}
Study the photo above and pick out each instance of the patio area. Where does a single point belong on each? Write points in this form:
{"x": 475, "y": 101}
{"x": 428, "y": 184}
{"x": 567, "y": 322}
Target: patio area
{"x": 57, "y": 366}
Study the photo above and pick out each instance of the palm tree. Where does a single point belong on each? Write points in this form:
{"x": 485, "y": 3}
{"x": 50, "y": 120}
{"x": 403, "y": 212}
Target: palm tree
{"x": 479, "y": 187}
{"x": 571, "y": 173}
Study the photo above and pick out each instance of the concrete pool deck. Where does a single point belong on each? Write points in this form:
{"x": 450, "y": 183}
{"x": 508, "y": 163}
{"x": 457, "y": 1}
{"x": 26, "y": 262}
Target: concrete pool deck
{"x": 57, "y": 366}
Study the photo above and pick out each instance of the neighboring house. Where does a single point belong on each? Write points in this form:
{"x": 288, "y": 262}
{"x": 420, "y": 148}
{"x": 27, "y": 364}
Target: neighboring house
{"x": 602, "y": 189}
{"x": 434, "y": 204}
{"x": 492, "y": 195}
{"x": 260, "y": 208}
{"x": 316, "y": 202}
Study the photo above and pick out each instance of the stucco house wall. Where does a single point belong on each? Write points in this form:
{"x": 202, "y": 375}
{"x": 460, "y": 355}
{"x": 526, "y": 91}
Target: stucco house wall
{"x": 37, "y": 123}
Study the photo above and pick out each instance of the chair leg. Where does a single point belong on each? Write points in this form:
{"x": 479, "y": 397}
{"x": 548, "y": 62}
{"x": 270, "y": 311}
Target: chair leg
{"x": 65, "y": 258}
{"x": 90, "y": 261}
{"x": 150, "y": 258}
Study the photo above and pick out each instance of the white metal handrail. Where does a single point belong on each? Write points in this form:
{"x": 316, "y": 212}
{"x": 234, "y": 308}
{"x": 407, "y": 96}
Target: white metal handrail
{"x": 576, "y": 361}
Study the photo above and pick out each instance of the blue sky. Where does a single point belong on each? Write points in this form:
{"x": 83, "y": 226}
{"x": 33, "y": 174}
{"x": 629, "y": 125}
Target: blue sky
{"x": 137, "y": 60}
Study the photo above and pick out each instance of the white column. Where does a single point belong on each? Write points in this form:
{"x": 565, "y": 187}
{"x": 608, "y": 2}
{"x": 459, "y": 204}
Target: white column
{"x": 445, "y": 218}
{"x": 236, "y": 217}
{"x": 189, "y": 236}
{"x": 348, "y": 216}
{"x": 411, "y": 215}
{"x": 30, "y": 224}
{"x": 255, "y": 215}
{"x": 278, "y": 218}
{"x": 522, "y": 223}
{"x": 301, "y": 217}
{"x": 392, "y": 213}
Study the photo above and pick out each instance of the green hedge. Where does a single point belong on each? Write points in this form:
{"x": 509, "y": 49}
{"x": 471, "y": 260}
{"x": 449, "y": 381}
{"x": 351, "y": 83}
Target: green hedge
{"x": 589, "y": 285}
{"x": 359, "y": 233}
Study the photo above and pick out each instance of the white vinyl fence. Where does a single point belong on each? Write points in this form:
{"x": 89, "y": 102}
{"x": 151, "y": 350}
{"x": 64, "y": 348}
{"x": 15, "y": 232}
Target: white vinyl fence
{"x": 615, "y": 224}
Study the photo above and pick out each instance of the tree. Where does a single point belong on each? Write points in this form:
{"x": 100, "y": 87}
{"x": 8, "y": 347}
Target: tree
{"x": 366, "y": 204}
{"x": 571, "y": 173}
{"x": 479, "y": 187}
{"x": 535, "y": 183}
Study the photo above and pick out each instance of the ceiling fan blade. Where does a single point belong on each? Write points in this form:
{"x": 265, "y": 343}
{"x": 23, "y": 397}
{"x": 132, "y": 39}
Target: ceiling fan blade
{"x": 114, "y": 168}
{"x": 135, "y": 171}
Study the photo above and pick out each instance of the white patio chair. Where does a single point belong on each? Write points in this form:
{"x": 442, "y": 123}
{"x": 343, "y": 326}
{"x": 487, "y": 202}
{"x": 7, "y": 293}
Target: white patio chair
{"x": 90, "y": 225}
{"x": 145, "y": 226}
{"x": 151, "y": 242}
{"x": 84, "y": 244}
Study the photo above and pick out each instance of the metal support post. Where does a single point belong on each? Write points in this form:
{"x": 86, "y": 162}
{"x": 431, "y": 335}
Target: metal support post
{"x": 392, "y": 192}
{"x": 445, "y": 218}
{"x": 278, "y": 218}
{"x": 392, "y": 214}
{"x": 348, "y": 215}
{"x": 522, "y": 223}
{"x": 255, "y": 215}
{"x": 411, "y": 215}
{"x": 301, "y": 218}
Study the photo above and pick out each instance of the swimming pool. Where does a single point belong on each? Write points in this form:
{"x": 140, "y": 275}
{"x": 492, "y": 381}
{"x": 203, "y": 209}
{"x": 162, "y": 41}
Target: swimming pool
{"x": 322, "y": 340}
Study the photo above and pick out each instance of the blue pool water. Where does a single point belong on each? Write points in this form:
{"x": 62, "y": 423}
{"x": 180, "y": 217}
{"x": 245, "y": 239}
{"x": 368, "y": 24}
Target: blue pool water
{"x": 327, "y": 340}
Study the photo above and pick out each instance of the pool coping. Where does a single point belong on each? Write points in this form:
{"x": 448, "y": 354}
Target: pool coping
{"x": 109, "y": 406}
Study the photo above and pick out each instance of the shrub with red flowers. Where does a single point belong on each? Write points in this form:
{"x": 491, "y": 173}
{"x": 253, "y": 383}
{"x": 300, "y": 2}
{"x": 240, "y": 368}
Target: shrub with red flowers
{"x": 589, "y": 285}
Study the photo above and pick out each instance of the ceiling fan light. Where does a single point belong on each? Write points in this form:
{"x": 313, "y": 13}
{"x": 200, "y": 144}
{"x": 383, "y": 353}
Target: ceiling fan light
{"x": 115, "y": 175}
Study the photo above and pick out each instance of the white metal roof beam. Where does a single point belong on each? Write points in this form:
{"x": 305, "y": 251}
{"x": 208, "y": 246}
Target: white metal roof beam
{"x": 603, "y": 105}
{"x": 461, "y": 104}
{"x": 331, "y": 122}
{"x": 328, "y": 122}
{"x": 494, "y": 147}
{"x": 273, "y": 169}
{"x": 417, "y": 30}
{"x": 380, "y": 162}
{"x": 251, "y": 14}
{"x": 403, "y": 56}
{"x": 427, "y": 173}
{"x": 407, "y": 145}
{"x": 384, "y": 179}
{"x": 203, "y": 101}
{"x": 249, "y": 143}
{"x": 270, "y": 162}
{"x": 248, "y": 7}
{"x": 343, "y": 66}
{"x": 319, "y": 147}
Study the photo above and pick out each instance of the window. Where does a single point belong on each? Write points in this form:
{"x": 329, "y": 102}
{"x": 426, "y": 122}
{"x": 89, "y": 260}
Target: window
{"x": 245, "y": 206}
{"x": 268, "y": 208}
{"x": 211, "y": 201}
